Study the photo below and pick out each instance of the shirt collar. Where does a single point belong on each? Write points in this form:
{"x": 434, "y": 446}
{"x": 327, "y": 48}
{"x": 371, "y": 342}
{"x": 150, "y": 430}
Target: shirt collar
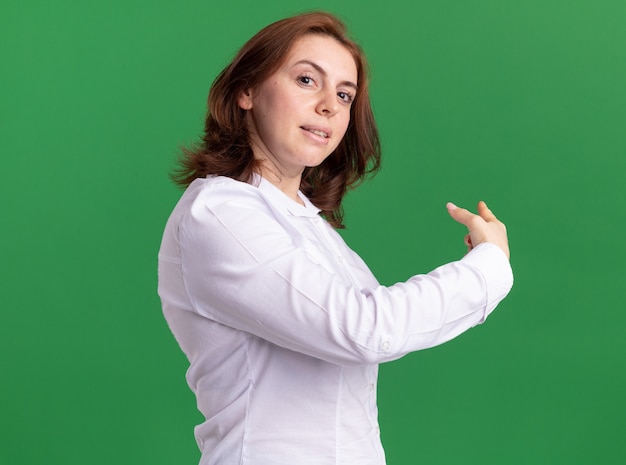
{"x": 279, "y": 198}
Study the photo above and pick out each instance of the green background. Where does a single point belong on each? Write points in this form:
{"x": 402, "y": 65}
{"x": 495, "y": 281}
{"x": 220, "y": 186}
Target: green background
{"x": 520, "y": 103}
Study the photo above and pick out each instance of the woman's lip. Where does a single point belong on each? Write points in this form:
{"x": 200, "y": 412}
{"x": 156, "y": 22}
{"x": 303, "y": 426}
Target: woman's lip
{"x": 316, "y": 138}
{"x": 327, "y": 132}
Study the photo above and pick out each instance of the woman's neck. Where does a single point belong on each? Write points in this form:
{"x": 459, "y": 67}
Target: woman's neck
{"x": 289, "y": 185}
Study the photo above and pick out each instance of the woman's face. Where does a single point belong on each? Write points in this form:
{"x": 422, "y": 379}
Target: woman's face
{"x": 298, "y": 116}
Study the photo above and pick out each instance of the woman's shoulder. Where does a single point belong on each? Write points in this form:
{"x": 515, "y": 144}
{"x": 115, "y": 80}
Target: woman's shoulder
{"x": 222, "y": 195}
{"x": 220, "y": 198}
{"x": 215, "y": 210}
{"x": 216, "y": 184}
{"x": 215, "y": 190}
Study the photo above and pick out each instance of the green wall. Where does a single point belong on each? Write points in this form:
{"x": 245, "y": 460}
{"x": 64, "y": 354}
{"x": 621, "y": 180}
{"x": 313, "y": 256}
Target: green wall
{"x": 522, "y": 103}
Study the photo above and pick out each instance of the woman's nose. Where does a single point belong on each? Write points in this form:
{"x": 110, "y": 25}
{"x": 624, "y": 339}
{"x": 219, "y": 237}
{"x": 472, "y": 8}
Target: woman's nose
{"x": 327, "y": 104}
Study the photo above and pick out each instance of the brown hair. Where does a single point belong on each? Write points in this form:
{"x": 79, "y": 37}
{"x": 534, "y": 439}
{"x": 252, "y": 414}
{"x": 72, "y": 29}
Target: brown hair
{"x": 225, "y": 148}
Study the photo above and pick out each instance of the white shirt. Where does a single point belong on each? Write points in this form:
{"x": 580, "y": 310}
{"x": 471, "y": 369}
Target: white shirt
{"x": 284, "y": 326}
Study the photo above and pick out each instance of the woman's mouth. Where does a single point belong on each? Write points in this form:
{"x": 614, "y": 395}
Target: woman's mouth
{"x": 321, "y": 132}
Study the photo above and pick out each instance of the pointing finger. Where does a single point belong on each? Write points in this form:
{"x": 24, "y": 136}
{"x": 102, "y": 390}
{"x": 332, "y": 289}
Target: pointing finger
{"x": 460, "y": 215}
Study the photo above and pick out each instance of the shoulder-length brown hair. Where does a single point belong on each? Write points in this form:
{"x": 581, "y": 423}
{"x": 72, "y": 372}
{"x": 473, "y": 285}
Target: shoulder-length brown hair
{"x": 225, "y": 148}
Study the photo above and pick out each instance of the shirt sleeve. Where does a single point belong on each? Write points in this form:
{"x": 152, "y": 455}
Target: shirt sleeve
{"x": 241, "y": 268}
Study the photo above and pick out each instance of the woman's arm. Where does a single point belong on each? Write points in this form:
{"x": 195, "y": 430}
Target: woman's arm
{"x": 242, "y": 269}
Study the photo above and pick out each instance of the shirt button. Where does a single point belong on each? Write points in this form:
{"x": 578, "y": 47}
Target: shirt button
{"x": 386, "y": 345}
{"x": 371, "y": 387}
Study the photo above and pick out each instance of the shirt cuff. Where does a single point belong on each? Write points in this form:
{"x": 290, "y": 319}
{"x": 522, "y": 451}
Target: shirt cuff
{"x": 495, "y": 268}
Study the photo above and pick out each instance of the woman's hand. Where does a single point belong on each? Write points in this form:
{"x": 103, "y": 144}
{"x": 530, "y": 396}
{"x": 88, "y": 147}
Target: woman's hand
{"x": 484, "y": 227}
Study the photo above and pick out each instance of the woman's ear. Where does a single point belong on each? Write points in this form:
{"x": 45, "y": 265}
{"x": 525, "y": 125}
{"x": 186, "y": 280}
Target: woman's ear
{"x": 245, "y": 99}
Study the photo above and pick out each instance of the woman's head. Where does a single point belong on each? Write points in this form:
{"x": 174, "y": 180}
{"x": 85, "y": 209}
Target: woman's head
{"x": 265, "y": 52}
{"x": 299, "y": 115}
{"x": 226, "y": 146}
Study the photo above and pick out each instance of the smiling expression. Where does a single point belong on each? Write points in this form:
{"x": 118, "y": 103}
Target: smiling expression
{"x": 298, "y": 116}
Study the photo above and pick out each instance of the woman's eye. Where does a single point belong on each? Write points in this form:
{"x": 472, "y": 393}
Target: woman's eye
{"x": 306, "y": 80}
{"x": 345, "y": 96}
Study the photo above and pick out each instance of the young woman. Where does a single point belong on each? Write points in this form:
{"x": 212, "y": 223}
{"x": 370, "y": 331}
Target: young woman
{"x": 283, "y": 325}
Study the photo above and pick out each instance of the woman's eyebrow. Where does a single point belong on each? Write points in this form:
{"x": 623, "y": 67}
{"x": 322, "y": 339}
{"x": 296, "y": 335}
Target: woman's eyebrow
{"x": 323, "y": 72}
